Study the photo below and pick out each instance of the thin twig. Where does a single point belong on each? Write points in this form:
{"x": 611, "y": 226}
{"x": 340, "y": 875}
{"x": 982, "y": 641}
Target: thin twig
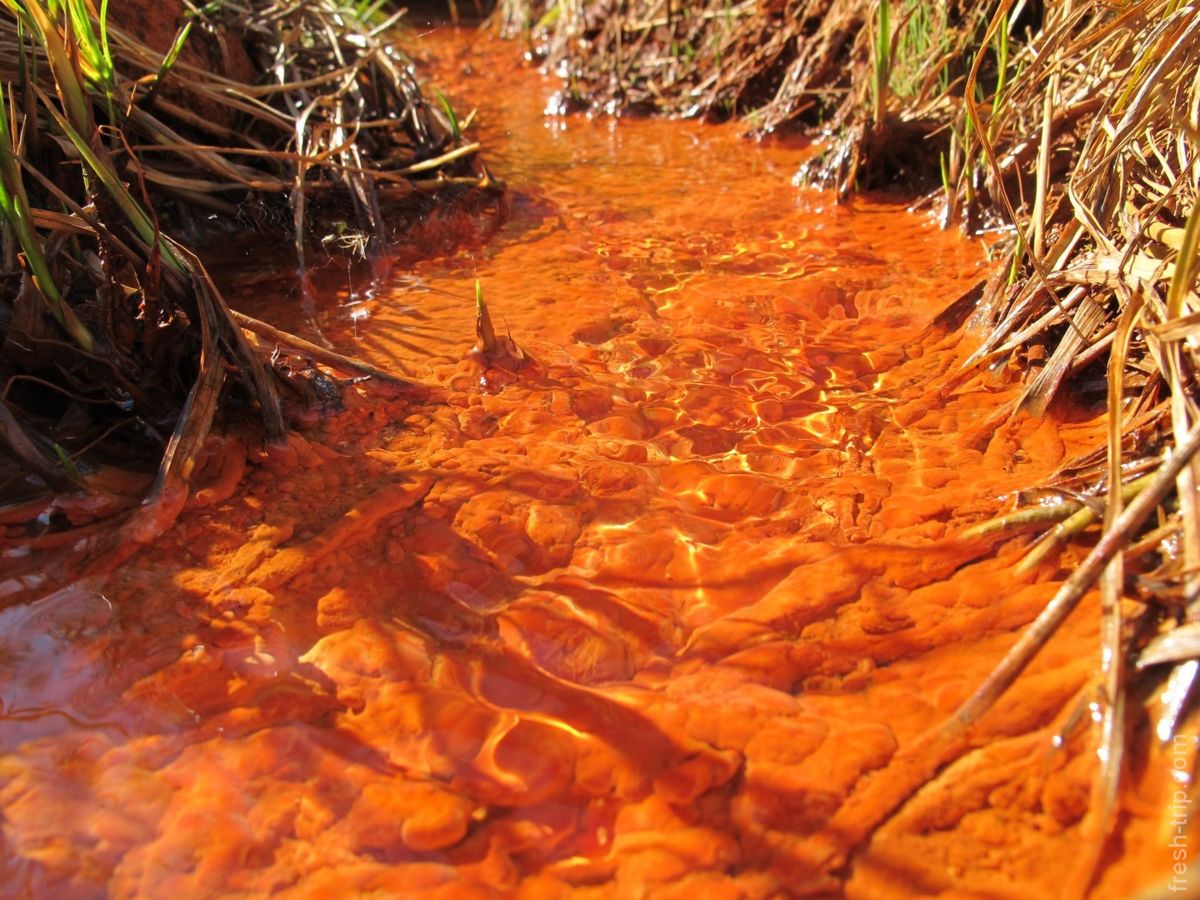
{"x": 1075, "y": 587}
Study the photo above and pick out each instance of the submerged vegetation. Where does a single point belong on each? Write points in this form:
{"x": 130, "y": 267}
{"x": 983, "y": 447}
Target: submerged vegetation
{"x": 118, "y": 349}
{"x": 1071, "y": 130}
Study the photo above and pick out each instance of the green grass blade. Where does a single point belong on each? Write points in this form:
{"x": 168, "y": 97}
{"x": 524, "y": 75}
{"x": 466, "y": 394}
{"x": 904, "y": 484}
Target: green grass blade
{"x": 94, "y": 62}
{"x": 68, "y": 464}
{"x": 15, "y": 207}
{"x": 883, "y": 63}
{"x": 70, "y": 88}
{"x": 173, "y": 54}
{"x": 366, "y": 10}
{"x": 1185, "y": 267}
{"x": 138, "y": 217}
{"x": 455, "y": 128}
{"x": 549, "y": 17}
{"x": 104, "y": 48}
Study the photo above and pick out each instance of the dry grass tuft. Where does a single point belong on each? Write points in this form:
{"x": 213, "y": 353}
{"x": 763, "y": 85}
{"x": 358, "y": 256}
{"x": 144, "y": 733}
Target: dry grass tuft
{"x": 714, "y": 58}
{"x": 117, "y": 348}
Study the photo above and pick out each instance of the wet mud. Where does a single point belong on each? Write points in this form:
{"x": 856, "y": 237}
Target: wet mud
{"x": 650, "y": 608}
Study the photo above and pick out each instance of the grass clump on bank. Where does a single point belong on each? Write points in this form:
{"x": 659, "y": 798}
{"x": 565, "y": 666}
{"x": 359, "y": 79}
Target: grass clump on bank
{"x": 821, "y": 65}
{"x": 1073, "y": 128}
{"x": 117, "y": 349}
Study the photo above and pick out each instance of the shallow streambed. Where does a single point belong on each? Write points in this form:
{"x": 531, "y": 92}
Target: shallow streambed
{"x": 638, "y": 618}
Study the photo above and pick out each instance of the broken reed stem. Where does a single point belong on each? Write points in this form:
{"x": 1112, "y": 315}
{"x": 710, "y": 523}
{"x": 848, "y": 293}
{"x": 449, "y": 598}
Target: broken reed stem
{"x": 1023, "y": 520}
{"x": 1074, "y": 588}
{"x": 1079, "y": 521}
{"x": 314, "y": 352}
{"x": 1100, "y": 818}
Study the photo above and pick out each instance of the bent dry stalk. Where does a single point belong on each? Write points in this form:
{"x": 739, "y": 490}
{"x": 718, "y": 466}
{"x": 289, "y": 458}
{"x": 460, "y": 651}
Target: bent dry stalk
{"x": 1079, "y": 582}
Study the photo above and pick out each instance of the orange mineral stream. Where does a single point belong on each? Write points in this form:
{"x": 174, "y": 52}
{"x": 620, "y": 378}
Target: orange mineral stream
{"x": 660, "y": 613}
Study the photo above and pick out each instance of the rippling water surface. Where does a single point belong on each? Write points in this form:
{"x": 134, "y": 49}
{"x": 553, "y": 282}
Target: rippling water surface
{"x": 644, "y": 615}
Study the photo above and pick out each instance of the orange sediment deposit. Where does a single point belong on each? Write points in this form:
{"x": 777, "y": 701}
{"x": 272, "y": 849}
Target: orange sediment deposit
{"x": 289, "y": 562}
{"x": 675, "y": 610}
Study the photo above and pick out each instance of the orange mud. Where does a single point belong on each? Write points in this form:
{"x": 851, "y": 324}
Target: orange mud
{"x": 649, "y": 616}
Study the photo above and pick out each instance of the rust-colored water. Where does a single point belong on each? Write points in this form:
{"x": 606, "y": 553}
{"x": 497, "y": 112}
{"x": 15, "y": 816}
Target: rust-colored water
{"x": 637, "y": 619}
